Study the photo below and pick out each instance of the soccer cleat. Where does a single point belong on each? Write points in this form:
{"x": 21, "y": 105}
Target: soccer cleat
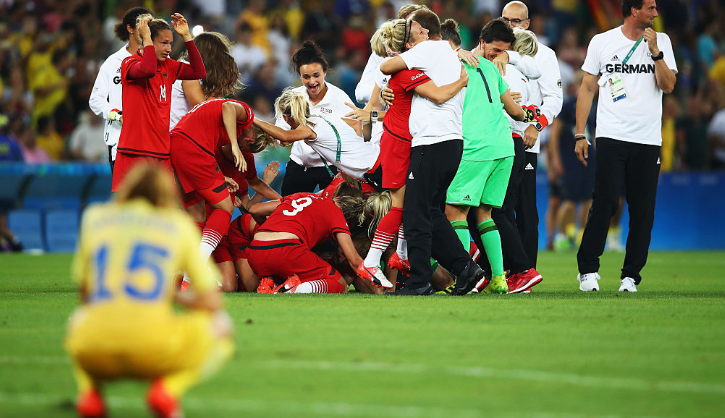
{"x": 628, "y": 285}
{"x": 162, "y": 403}
{"x": 497, "y": 285}
{"x": 422, "y": 291}
{"x": 400, "y": 264}
{"x": 266, "y": 285}
{"x": 519, "y": 282}
{"x": 588, "y": 282}
{"x": 468, "y": 278}
{"x": 90, "y": 405}
{"x": 289, "y": 284}
{"x": 185, "y": 286}
{"x": 481, "y": 285}
{"x": 375, "y": 275}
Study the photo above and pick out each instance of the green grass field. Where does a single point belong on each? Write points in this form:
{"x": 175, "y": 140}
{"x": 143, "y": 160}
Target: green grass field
{"x": 557, "y": 353}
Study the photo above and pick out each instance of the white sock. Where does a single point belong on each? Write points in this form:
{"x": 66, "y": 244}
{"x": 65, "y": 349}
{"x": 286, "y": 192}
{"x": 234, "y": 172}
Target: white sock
{"x": 402, "y": 249}
{"x": 314, "y": 286}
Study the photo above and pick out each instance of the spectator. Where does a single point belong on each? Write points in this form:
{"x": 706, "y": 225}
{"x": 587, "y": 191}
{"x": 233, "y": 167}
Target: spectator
{"x": 84, "y": 144}
{"x": 10, "y": 150}
{"x": 32, "y": 153}
{"x": 716, "y": 138}
{"x": 49, "y": 139}
{"x": 49, "y": 84}
{"x": 248, "y": 56}
{"x": 253, "y": 16}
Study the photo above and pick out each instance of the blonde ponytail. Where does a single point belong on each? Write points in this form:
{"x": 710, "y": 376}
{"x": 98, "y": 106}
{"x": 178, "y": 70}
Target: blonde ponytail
{"x": 295, "y": 104}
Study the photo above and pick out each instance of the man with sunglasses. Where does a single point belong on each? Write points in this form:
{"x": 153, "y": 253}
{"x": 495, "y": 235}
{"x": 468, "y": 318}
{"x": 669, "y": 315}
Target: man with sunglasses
{"x": 550, "y": 99}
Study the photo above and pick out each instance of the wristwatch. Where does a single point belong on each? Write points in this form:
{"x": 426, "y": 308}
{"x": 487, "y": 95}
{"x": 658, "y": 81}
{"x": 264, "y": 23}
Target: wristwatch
{"x": 658, "y": 56}
{"x": 374, "y": 116}
{"x": 538, "y": 126}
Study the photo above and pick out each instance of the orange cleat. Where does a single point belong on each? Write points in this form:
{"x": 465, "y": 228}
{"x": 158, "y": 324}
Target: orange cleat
{"x": 400, "y": 264}
{"x": 185, "y": 286}
{"x": 162, "y": 403}
{"x": 90, "y": 405}
{"x": 289, "y": 284}
{"x": 266, "y": 285}
{"x": 374, "y": 275}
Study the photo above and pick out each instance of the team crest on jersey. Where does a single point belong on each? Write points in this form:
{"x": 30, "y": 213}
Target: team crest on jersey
{"x": 165, "y": 75}
{"x": 558, "y": 83}
{"x": 324, "y": 110}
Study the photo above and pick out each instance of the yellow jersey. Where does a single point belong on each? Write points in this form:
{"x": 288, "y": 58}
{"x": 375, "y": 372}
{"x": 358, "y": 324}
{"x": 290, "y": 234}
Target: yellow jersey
{"x": 127, "y": 254}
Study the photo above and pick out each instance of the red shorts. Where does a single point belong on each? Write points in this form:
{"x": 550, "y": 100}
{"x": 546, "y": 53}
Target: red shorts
{"x": 286, "y": 257}
{"x": 240, "y": 236}
{"x": 395, "y": 158}
{"x": 222, "y": 252}
{"x": 211, "y": 196}
{"x": 125, "y": 162}
{"x": 195, "y": 169}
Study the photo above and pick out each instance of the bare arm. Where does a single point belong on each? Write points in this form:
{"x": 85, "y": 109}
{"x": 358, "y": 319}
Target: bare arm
{"x": 285, "y": 136}
{"x": 393, "y": 65}
{"x": 348, "y": 248}
{"x": 231, "y": 112}
{"x": 553, "y": 148}
{"x": 665, "y": 77}
{"x": 584, "y": 100}
{"x": 263, "y": 189}
{"x": 261, "y": 211}
{"x": 514, "y": 110}
{"x": 440, "y": 95}
{"x": 193, "y": 92}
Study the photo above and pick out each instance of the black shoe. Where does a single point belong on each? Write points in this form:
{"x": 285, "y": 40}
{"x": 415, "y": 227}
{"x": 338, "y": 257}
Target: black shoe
{"x": 16, "y": 246}
{"x": 406, "y": 291}
{"x": 466, "y": 281}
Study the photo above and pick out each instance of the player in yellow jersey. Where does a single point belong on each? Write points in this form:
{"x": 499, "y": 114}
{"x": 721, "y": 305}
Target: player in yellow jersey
{"x": 126, "y": 328}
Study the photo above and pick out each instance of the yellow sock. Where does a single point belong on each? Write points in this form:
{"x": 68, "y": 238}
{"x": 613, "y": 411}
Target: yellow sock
{"x": 83, "y": 380}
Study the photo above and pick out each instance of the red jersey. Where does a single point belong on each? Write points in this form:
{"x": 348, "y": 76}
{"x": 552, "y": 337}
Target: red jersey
{"x": 403, "y": 84}
{"x": 204, "y": 126}
{"x": 229, "y": 170}
{"x": 310, "y": 217}
{"x": 147, "y": 108}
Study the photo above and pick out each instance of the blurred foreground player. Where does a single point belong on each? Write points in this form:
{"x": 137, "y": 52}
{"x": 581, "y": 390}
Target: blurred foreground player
{"x": 126, "y": 327}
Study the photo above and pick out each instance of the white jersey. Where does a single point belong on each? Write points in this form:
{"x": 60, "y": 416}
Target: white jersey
{"x": 368, "y": 79}
{"x": 518, "y": 82}
{"x": 637, "y": 117}
{"x": 179, "y": 104}
{"x": 357, "y": 157}
{"x": 548, "y": 95}
{"x": 431, "y": 123}
{"x": 107, "y": 95}
{"x": 333, "y": 104}
{"x": 376, "y": 131}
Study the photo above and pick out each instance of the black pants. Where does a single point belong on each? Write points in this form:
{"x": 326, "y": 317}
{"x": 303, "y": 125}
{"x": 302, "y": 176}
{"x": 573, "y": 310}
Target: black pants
{"x": 514, "y": 256}
{"x": 301, "y": 179}
{"x": 111, "y": 161}
{"x": 427, "y": 230}
{"x": 638, "y": 165}
{"x": 527, "y": 215}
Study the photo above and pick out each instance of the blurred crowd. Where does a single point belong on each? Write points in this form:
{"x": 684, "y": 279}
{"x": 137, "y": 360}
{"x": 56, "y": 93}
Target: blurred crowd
{"x": 51, "y": 50}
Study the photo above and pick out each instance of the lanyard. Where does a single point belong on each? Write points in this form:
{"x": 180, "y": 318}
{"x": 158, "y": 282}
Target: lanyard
{"x": 339, "y": 149}
{"x": 631, "y": 51}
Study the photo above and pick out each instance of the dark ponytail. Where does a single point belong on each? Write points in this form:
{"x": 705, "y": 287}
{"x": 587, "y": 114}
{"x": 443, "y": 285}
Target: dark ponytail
{"x": 310, "y": 53}
{"x": 129, "y": 18}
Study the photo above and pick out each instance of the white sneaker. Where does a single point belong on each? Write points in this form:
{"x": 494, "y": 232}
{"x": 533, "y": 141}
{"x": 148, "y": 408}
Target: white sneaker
{"x": 588, "y": 282}
{"x": 628, "y": 285}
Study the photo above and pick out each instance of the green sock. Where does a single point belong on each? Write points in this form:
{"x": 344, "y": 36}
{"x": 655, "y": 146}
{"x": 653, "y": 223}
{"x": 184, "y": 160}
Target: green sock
{"x": 461, "y": 228}
{"x": 492, "y": 244}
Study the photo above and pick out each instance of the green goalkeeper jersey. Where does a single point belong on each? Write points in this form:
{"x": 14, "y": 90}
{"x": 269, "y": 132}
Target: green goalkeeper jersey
{"x": 486, "y": 129}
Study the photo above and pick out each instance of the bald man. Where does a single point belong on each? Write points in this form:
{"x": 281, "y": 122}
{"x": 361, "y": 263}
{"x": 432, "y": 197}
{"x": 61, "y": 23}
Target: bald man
{"x": 549, "y": 97}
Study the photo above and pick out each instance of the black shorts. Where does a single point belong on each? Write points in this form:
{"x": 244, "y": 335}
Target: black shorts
{"x": 577, "y": 183}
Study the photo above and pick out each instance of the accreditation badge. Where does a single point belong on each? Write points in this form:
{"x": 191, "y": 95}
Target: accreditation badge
{"x": 616, "y": 87}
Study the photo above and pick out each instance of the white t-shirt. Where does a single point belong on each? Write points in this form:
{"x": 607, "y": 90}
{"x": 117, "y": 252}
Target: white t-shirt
{"x": 381, "y": 80}
{"x": 368, "y": 79}
{"x": 638, "y": 117}
{"x": 716, "y": 128}
{"x": 431, "y": 123}
{"x": 106, "y": 95}
{"x": 357, "y": 157}
{"x": 548, "y": 94}
{"x": 519, "y": 83}
{"x": 333, "y": 104}
{"x": 179, "y": 104}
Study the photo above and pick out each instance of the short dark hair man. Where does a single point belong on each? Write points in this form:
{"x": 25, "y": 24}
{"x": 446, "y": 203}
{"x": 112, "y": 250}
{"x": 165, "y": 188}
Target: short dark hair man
{"x": 636, "y": 66}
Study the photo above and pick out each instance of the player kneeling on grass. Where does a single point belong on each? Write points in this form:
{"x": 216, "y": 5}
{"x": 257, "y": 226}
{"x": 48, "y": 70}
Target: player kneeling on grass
{"x": 126, "y": 327}
{"x": 283, "y": 243}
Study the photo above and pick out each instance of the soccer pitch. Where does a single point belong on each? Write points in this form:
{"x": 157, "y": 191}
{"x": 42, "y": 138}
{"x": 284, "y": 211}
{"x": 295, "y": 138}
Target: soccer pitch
{"x": 556, "y": 353}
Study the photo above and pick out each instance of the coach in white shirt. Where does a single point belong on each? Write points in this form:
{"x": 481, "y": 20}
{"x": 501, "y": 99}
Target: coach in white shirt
{"x": 436, "y": 151}
{"x": 105, "y": 99}
{"x": 549, "y": 97}
{"x": 636, "y": 65}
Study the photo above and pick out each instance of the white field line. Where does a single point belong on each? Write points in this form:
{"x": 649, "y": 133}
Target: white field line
{"x": 623, "y": 383}
{"x": 279, "y": 407}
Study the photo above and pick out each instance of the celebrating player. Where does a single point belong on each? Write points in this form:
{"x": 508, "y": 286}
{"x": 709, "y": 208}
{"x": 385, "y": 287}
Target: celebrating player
{"x": 147, "y": 77}
{"x": 126, "y": 327}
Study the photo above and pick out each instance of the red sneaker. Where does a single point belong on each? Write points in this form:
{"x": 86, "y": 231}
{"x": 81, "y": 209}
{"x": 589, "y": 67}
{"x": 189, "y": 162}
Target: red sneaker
{"x": 289, "y": 284}
{"x": 162, "y": 403}
{"x": 90, "y": 405}
{"x": 375, "y": 275}
{"x": 481, "y": 285}
{"x": 266, "y": 285}
{"x": 524, "y": 280}
{"x": 400, "y": 264}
